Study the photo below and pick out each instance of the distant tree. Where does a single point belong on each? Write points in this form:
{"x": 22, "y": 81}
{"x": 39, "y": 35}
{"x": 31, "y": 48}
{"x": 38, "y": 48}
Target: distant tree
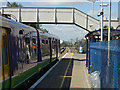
{"x": 82, "y": 43}
{"x": 14, "y": 4}
{"x": 44, "y": 30}
{"x": 65, "y": 44}
{"x": 37, "y": 26}
{"x": 84, "y": 47}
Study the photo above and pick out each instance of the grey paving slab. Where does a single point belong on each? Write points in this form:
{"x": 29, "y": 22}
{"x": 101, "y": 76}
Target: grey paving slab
{"x": 70, "y": 72}
{"x": 80, "y": 77}
{"x": 56, "y": 77}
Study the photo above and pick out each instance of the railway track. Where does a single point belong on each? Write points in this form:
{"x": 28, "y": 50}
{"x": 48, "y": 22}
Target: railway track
{"x": 33, "y": 79}
{"x": 73, "y": 50}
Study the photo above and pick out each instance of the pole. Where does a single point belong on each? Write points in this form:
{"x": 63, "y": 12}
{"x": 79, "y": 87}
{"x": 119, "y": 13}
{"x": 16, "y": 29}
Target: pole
{"x": 109, "y": 20}
{"x": 108, "y": 61}
{"x": 93, "y": 8}
{"x": 102, "y": 22}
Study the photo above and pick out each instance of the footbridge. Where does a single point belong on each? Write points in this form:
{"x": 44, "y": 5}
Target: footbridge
{"x": 53, "y": 15}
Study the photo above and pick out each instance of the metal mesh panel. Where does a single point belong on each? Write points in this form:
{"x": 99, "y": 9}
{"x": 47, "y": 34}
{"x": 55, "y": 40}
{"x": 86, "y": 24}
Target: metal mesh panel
{"x": 105, "y": 58}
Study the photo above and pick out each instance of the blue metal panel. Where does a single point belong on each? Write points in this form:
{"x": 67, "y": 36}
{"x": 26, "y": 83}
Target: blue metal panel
{"x": 116, "y": 59}
{"x": 106, "y": 60}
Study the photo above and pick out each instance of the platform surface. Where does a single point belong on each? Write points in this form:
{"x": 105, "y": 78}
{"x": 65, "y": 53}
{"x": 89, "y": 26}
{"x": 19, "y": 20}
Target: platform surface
{"x": 70, "y": 72}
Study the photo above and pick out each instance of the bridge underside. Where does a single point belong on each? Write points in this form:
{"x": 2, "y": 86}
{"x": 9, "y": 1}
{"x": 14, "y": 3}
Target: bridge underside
{"x": 56, "y": 23}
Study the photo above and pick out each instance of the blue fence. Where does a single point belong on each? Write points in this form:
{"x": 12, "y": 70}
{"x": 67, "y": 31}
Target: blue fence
{"x": 105, "y": 58}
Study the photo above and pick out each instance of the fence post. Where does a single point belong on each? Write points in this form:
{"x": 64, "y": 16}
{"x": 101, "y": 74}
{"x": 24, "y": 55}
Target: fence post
{"x": 87, "y": 54}
{"x": 89, "y": 57}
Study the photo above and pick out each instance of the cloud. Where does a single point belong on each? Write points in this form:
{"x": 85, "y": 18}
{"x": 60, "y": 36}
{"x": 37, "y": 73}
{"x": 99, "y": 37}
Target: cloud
{"x": 2, "y": 0}
{"x": 66, "y": 32}
{"x": 113, "y": 13}
{"x": 57, "y": 3}
{"x": 95, "y": 12}
{"x": 2, "y": 4}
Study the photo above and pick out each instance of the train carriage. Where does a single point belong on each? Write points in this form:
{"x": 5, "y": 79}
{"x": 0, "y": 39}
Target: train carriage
{"x": 23, "y": 53}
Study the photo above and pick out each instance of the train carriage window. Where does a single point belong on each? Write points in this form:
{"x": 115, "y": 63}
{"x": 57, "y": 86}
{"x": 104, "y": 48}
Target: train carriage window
{"x": 34, "y": 41}
{"x": 5, "y": 55}
{"x": 43, "y": 41}
{"x": 52, "y": 41}
{"x": 27, "y": 40}
{"x": 46, "y": 41}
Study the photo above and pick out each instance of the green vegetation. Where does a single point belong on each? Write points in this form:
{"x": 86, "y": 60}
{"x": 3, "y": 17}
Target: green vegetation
{"x": 65, "y": 44}
{"x": 77, "y": 45}
{"x": 84, "y": 47}
{"x": 82, "y": 43}
{"x": 14, "y": 4}
{"x": 37, "y": 26}
{"x": 44, "y": 30}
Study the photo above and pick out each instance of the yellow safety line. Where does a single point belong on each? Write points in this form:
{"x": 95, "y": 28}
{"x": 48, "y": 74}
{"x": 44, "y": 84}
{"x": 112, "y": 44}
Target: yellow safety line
{"x": 66, "y": 71}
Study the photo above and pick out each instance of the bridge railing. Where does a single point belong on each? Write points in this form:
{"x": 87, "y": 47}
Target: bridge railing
{"x": 105, "y": 58}
{"x": 53, "y": 15}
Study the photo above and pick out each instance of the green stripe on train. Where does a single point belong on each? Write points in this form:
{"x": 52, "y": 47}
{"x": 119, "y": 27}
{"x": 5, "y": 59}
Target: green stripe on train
{"x": 4, "y": 84}
{"x": 22, "y": 77}
{"x": 18, "y": 80}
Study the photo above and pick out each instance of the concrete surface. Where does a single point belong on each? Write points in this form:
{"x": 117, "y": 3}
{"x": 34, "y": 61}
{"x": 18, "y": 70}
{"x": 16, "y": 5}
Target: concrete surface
{"x": 70, "y": 72}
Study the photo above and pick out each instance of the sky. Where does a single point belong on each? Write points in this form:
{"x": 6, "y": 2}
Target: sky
{"x": 68, "y": 32}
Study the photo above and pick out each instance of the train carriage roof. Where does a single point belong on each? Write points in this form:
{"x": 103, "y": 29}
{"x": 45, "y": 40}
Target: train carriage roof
{"x": 8, "y": 23}
{"x": 4, "y": 22}
{"x": 48, "y": 35}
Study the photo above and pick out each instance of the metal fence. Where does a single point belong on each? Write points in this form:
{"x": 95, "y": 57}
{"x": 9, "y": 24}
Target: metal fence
{"x": 105, "y": 58}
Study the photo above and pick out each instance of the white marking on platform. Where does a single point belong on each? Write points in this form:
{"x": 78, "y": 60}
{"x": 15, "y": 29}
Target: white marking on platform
{"x": 35, "y": 84}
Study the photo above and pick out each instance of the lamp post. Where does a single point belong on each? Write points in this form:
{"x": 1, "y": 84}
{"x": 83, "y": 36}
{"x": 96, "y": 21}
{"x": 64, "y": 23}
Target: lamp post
{"x": 102, "y": 21}
{"x": 108, "y": 61}
{"x": 109, "y": 20}
{"x": 102, "y": 14}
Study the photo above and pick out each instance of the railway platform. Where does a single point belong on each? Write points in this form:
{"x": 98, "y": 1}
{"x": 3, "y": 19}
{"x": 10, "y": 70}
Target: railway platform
{"x": 68, "y": 72}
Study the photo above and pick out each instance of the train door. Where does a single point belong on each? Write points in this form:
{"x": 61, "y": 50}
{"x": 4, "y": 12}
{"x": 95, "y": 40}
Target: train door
{"x": 4, "y": 58}
{"x": 56, "y": 42}
{"x": 50, "y": 46}
{"x": 1, "y": 58}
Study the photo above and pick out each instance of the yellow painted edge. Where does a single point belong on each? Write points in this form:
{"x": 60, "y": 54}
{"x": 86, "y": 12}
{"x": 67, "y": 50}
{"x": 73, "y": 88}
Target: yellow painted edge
{"x": 66, "y": 71}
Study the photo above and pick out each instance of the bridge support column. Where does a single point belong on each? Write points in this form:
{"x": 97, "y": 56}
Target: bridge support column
{"x": 19, "y": 13}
